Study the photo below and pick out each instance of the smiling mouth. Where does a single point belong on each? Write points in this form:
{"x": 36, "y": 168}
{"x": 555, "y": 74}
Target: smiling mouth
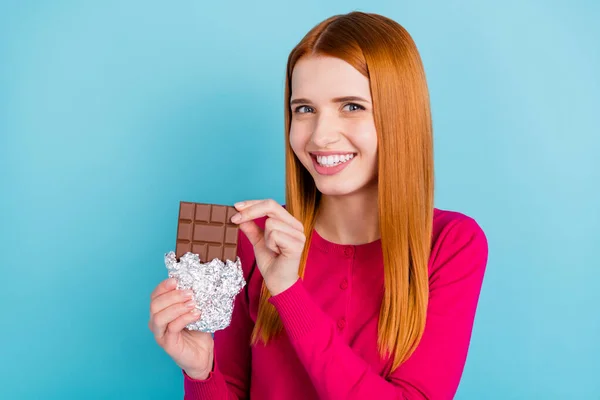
{"x": 332, "y": 160}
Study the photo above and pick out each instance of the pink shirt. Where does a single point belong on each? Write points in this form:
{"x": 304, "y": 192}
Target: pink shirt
{"x": 328, "y": 349}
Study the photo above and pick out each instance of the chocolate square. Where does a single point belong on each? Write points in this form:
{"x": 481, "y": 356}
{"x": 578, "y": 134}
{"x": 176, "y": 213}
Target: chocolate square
{"x": 207, "y": 230}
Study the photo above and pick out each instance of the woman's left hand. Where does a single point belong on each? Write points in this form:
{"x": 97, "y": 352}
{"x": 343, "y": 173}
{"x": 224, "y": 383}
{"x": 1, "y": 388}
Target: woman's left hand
{"x": 279, "y": 247}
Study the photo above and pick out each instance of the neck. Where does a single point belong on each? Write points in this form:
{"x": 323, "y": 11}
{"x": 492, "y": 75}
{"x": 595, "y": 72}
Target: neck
{"x": 349, "y": 219}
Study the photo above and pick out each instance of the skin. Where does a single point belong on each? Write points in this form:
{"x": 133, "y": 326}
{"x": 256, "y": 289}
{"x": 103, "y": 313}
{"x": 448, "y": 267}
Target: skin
{"x": 347, "y": 214}
{"x": 348, "y": 209}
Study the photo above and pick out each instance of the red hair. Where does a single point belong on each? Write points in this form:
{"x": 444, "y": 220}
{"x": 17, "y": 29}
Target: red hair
{"x": 385, "y": 53}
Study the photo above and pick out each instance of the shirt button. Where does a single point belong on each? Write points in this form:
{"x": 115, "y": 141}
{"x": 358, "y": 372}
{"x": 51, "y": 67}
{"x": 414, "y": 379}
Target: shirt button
{"x": 344, "y": 284}
{"x": 341, "y": 323}
{"x": 348, "y": 251}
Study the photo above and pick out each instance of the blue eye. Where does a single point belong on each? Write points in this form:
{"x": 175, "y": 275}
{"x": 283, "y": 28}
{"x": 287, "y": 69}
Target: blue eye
{"x": 358, "y": 106}
{"x": 297, "y": 109}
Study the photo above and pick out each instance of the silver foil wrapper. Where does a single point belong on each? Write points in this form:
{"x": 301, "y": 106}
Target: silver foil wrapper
{"x": 215, "y": 285}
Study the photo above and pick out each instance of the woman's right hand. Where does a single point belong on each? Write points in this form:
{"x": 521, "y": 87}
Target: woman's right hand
{"x": 170, "y": 311}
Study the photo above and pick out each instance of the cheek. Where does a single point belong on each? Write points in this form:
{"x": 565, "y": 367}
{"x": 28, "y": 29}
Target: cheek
{"x": 298, "y": 140}
{"x": 364, "y": 137}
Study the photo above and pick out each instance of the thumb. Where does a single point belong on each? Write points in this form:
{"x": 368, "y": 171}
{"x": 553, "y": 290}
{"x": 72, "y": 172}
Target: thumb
{"x": 255, "y": 235}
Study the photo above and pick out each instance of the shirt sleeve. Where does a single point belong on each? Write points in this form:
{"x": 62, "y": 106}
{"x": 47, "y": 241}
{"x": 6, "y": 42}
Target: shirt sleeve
{"x": 230, "y": 377}
{"x": 434, "y": 370}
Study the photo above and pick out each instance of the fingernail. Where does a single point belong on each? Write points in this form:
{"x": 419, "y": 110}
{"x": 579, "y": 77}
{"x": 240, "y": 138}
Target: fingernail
{"x": 240, "y": 204}
{"x": 196, "y": 312}
{"x": 190, "y": 304}
{"x": 236, "y": 218}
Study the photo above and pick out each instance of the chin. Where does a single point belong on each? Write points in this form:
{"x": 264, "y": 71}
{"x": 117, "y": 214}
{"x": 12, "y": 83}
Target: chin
{"x": 336, "y": 189}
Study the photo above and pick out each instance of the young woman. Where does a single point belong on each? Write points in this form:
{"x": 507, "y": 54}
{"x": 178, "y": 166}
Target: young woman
{"x": 358, "y": 288}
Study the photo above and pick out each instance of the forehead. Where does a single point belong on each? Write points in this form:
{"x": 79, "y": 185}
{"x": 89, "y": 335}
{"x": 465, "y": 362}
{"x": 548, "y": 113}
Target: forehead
{"x": 323, "y": 77}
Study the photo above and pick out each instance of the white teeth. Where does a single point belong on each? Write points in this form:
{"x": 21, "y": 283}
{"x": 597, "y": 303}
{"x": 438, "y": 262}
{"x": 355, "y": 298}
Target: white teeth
{"x": 333, "y": 160}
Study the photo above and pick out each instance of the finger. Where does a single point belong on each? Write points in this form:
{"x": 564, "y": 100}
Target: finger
{"x": 182, "y": 321}
{"x": 164, "y": 286}
{"x": 284, "y": 244}
{"x": 245, "y": 204}
{"x": 274, "y": 224}
{"x": 169, "y": 298}
{"x": 257, "y": 238}
{"x": 253, "y": 232}
{"x": 160, "y": 320}
{"x": 269, "y": 208}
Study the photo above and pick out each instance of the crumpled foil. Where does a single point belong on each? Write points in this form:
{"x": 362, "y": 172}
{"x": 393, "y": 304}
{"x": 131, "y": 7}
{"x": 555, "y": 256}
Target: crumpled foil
{"x": 215, "y": 285}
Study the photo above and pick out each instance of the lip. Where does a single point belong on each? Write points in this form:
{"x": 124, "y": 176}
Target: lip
{"x": 330, "y": 153}
{"x": 329, "y": 170}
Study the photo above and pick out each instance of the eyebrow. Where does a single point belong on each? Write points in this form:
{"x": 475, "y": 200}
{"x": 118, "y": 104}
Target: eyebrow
{"x": 334, "y": 100}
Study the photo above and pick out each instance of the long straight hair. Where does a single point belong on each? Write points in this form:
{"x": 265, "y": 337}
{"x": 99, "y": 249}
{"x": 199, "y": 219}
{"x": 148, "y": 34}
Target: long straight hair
{"x": 384, "y": 52}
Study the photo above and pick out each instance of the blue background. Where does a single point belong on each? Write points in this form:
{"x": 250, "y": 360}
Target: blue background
{"x": 111, "y": 112}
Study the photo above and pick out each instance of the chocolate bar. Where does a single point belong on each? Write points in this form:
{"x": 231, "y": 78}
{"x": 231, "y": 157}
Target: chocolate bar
{"x": 207, "y": 230}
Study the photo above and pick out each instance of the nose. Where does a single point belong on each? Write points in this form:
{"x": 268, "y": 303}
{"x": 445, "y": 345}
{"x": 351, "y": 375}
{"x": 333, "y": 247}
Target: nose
{"x": 326, "y": 132}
